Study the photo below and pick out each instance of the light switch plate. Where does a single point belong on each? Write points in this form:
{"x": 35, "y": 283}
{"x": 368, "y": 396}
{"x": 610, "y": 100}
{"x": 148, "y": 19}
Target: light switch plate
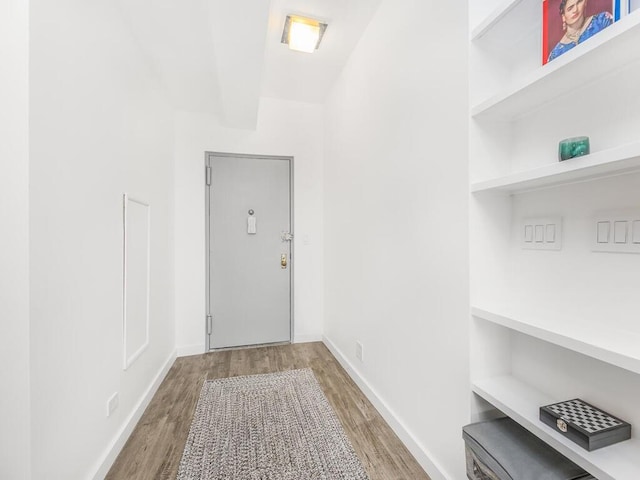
{"x": 112, "y": 403}
{"x": 616, "y": 232}
{"x": 541, "y": 233}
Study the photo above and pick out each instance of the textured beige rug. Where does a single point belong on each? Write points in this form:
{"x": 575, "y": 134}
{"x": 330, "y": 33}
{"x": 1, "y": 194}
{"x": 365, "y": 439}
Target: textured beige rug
{"x": 276, "y": 426}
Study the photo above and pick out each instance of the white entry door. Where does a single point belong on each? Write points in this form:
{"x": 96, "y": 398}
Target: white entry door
{"x": 249, "y": 242}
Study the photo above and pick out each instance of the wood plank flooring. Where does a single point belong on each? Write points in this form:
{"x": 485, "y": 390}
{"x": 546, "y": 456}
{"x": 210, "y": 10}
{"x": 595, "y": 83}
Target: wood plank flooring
{"x": 154, "y": 450}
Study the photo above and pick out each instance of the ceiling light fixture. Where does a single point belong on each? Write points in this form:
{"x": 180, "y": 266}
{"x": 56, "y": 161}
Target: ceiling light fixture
{"x": 303, "y": 34}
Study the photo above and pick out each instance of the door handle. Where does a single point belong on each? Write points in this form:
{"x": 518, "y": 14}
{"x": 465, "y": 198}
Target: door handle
{"x": 283, "y": 260}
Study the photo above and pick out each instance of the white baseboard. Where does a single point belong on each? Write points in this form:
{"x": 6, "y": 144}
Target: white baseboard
{"x": 421, "y": 454}
{"x": 125, "y": 431}
{"x": 307, "y": 338}
{"x": 188, "y": 350}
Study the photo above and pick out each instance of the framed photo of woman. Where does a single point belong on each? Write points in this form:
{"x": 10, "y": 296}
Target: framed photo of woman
{"x": 568, "y": 23}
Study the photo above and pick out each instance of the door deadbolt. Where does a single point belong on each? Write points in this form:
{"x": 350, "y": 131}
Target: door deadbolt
{"x": 283, "y": 260}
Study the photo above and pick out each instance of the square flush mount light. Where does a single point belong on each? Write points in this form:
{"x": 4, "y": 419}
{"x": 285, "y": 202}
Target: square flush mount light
{"x": 303, "y": 34}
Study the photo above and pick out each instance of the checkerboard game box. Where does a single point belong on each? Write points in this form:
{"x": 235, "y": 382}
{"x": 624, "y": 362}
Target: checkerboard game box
{"x": 584, "y": 424}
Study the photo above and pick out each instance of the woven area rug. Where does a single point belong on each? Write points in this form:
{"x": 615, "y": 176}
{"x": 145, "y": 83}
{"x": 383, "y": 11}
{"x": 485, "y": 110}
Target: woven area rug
{"x": 276, "y": 426}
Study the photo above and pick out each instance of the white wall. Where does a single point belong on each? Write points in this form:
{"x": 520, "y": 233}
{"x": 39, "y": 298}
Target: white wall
{"x": 100, "y": 126}
{"x": 14, "y": 240}
{"x": 396, "y": 213}
{"x": 284, "y": 128}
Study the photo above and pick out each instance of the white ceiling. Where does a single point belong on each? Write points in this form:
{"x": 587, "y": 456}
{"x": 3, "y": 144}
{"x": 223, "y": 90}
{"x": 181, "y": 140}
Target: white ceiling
{"x": 221, "y": 56}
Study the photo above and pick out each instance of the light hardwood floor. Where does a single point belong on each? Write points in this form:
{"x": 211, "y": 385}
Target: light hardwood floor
{"x": 154, "y": 450}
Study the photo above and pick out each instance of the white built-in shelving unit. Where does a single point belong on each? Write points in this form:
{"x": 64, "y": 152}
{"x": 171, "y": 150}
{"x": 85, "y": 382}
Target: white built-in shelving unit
{"x": 521, "y": 402}
{"x": 550, "y": 325}
{"x": 614, "y": 161}
{"x": 592, "y": 61}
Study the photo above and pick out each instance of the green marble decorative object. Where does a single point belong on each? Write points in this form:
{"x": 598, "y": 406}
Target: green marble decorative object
{"x": 573, "y": 147}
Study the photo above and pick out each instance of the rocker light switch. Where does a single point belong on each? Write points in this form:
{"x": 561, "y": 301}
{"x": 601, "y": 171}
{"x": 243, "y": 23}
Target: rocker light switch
{"x": 528, "y": 233}
{"x": 550, "y": 234}
{"x": 603, "y": 232}
{"x": 636, "y": 231}
{"x": 620, "y": 232}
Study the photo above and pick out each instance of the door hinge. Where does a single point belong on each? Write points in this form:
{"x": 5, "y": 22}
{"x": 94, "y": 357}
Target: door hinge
{"x": 209, "y": 324}
{"x": 208, "y": 176}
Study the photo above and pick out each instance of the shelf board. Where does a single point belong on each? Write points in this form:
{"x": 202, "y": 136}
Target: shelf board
{"x": 493, "y": 19}
{"x": 521, "y": 402}
{"x": 621, "y": 349}
{"x": 612, "y": 49}
{"x": 614, "y": 161}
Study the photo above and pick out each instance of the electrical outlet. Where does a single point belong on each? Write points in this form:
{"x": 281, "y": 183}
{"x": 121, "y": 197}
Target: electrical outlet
{"x": 112, "y": 404}
{"x": 359, "y": 351}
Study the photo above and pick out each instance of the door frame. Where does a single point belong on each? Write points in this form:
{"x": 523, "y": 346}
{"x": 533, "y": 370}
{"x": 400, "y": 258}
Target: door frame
{"x": 207, "y": 156}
